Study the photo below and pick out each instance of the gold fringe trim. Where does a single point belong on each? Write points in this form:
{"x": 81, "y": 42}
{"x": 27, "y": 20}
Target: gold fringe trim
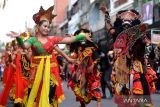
{"x": 59, "y": 100}
{"x": 78, "y": 92}
{"x": 18, "y": 100}
{"x": 25, "y": 98}
{"x": 2, "y": 106}
{"x": 54, "y": 79}
{"x": 137, "y": 91}
{"x": 116, "y": 90}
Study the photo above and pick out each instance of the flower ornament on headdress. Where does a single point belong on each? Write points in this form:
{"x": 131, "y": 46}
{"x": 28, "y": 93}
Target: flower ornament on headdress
{"x": 44, "y": 15}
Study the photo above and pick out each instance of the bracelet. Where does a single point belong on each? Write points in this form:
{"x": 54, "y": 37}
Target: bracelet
{"x": 107, "y": 18}
{"x": 80, "y": 37}
{"x": 110, "y": 29}
{"x": 20, "y": 41}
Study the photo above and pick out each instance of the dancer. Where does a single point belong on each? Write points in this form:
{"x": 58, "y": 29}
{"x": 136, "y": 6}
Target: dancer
{"x": 6, "y": 60}
{"x": 14, "y": 84}
{"x": 8, "y": 75}
{"x": 129, "y": 36}
{"x": 44, "y": 78}
{"x": 85, "y": 81}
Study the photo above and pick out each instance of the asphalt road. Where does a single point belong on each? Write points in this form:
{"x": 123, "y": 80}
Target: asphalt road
{"x": 71, "y": 102}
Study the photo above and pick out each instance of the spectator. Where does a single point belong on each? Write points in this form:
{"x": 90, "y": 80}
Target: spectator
{"x": 106, "y": 69}
{"x": 157, "y": 65}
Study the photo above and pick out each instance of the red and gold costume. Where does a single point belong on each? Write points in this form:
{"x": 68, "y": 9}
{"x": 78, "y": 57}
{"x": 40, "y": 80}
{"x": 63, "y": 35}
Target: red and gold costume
{"x": 44, "y": 80}
{"x": 86, "y": 76}
{"x": 14, "y": 81}
{"x": 132, "y": 76}
{"x": 6, "y": 60}
{"x": 17, "y": 82}
{"x": 7, "y": 76}
{"x": 85, "y": 79}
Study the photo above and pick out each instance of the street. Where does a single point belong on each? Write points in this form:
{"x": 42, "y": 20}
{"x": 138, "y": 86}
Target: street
{"x": 70, "y": 100}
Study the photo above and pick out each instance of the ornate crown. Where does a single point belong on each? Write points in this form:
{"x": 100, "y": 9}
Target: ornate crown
{"x": 129, "y": 14}
{"x": 44, "y": 15}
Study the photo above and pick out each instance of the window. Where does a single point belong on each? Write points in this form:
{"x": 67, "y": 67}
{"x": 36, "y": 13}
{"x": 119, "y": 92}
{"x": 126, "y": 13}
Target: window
{"x": 119, "y": 2}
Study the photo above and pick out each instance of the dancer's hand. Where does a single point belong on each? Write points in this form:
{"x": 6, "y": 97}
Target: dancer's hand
{"x": 13, "y": 34}
{"x": 103, "y": 8}
{"x": 71, "y": 60}
{"x": 88, "y": 37}
{"x": 74, "y": 61}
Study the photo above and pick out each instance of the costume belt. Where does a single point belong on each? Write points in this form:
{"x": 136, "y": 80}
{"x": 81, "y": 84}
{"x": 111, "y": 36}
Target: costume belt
{"x": 43, "y": 73}
{"x": 47, "y": 56}
{"x": 36, "y": 60}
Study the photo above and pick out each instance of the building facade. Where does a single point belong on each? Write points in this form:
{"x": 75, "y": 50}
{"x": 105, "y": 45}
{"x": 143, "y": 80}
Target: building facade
{"x": 60, "y": 11}
{"x": 86, "y": 14}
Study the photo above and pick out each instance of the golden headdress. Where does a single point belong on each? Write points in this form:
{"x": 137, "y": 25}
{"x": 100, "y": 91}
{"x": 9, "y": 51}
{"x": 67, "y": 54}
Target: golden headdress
{"x": 44, "y": 15}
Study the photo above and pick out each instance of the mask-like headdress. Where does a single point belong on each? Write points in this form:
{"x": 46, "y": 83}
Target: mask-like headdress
{"x": 129, "y": 15}
{"x": 44, "y": 15}
{"x": 126, "y": 39}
